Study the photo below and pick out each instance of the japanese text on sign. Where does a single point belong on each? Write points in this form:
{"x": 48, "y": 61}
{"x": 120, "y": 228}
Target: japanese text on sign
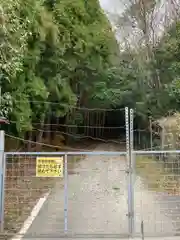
{"x": 49, "y": 167}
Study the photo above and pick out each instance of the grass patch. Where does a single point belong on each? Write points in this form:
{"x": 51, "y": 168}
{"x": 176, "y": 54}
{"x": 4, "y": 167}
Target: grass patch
{"x": 156, "y": 176}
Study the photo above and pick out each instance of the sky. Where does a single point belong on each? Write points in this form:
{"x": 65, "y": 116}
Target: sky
{"x": 164, "y": 14}
{"x": 112, "y": 5}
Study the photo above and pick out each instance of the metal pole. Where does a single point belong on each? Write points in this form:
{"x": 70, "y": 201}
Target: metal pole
{"x": 133, "y": 167}
{"x": 65, "y": 194}
{"x": 128, "y": 169}
{"x": 2, "y": 179}
{"x": 127, "y": 133}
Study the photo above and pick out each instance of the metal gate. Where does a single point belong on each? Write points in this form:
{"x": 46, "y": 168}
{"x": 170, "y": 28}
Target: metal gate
{"x": 155, "y": 188}
{"x": 93, "y": 197}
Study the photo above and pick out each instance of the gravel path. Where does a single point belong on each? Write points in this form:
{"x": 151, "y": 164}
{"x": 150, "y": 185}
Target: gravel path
{"x": 98, "y": 202}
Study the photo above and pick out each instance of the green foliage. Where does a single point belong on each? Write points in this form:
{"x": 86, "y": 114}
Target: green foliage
{"x": 53, "y": 51}
{"x": 152, "y": 87}
{"x": 64, "y": 52}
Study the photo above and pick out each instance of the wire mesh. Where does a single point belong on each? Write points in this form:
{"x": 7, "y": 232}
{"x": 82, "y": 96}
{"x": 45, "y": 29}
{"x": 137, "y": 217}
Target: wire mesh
{"x": 81, "y": 124}
{"x": 157, "y": 193}
{"x": 90, "y": 200}
{"x": 23, "y": 189}
{"x": 97, "y": 194}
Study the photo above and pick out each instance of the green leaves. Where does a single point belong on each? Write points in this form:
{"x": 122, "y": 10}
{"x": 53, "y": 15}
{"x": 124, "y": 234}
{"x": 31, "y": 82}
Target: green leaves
{"x": 173, "y": 89}
{"x": 56, "y": 55}
{"x": 6, "y": 103}
{"x": 22, "y": 112}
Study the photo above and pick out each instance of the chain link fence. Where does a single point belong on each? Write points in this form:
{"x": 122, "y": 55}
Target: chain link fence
{"x": 91, "y": 198}
{"x": 97, "y": 193}
{"x": 157, "y": 193}
{"x": 22, "y": 189}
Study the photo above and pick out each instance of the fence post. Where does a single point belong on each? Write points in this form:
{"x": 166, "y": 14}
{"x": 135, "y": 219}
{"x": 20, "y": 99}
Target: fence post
{"x": 133, "y": 167}
{"x": 2, "y": 179}
{"x": 65, "y": 194}
{"x": 129, "y": 214}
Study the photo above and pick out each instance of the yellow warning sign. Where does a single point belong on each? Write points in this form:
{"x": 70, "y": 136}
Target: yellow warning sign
{"x": 49, "y": 167}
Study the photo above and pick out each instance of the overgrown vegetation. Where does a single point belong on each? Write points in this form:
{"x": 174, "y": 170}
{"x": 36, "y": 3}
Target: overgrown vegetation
{"x": 65, "y": 52}
{"x": 157, "y": 174}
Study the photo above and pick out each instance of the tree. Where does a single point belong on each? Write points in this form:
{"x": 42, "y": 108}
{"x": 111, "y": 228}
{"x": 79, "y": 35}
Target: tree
{"x": 52, "y": 51}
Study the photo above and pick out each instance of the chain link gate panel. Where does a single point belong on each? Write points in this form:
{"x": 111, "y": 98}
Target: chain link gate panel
{"x": 156, "y": 192}
{"x": 97, "y": 195}
{"x": 94, "y": 197}
{"x": 90, "y": 200}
